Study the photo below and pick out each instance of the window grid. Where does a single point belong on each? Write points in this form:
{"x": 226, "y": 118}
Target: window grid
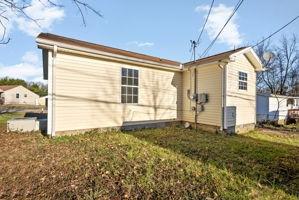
{"x": 129, "y": 88}
{"x": 242, "y": 81}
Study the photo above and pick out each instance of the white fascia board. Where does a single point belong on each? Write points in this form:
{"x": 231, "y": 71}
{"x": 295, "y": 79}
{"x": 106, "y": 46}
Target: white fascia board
{"x": 250, "y": 54}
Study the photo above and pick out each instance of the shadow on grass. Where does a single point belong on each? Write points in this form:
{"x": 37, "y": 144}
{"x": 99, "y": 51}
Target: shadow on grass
{"x": 270, "y": 163}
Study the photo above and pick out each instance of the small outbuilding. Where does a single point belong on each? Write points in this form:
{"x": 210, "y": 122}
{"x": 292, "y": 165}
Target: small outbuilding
{"x": 17, "y": 94}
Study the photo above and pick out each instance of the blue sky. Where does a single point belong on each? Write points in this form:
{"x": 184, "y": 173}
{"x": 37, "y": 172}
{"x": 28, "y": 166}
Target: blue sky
{"x": 158, "y": 28}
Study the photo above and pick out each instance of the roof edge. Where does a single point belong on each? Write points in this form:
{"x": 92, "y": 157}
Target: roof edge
{"x": 8, "y": 87}
{"x": 214, "y": 58}
{"x": 252, "y": 57}
{"x": 52, "y": 39}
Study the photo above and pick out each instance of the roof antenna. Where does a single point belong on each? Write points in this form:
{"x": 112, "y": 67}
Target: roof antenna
{"x": 193, "y": 49}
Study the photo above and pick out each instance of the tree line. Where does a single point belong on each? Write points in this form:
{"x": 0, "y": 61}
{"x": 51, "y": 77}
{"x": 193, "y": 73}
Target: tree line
{"x": 36, "y": 87}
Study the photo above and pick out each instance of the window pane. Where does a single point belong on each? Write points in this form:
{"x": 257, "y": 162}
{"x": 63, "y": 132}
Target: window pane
{"x": 130, "y": 72}
{"x": 124, "y": 72}
{"x": 135, "y": 99}
{"x": 124, "y": 81}
{"x": 135, "y": 81}
{"x": 129, "y": 99}
{"x": 123, "y": 99}
{"x": 135, "y": 73}
{"x": 123, "y": 90}
{"x": 130, "y": 90}
{"x": 129, "y": 94}
{"x": 135, "y": 91}
{"x": 130, "y": 81}
{"x": 242, "y": 85}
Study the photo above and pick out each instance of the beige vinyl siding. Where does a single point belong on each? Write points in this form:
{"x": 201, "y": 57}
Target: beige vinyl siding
{"x": 30, "y": 99}
{"x": 244, "y": 100}
{"x": 88, "y": 94}
{"x": 208, "y": 81}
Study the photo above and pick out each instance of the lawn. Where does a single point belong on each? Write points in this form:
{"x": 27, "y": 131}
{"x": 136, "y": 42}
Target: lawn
{"x": 170, "y": 163}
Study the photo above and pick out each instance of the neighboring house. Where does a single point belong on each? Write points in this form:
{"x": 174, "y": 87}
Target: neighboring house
{"x": 274, "y": 107}
{"x": 43, "y": 101}
{"x": 17, "y": 94}
{"x": 92, "y": 86}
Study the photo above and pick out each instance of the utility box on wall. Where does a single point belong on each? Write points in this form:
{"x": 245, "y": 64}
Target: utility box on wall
{"x": 203, "y": 98}
{"x": 231, "y": 115}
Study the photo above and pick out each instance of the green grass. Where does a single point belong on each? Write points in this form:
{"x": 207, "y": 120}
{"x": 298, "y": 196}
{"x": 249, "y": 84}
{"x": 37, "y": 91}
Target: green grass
{"x": 276, "y": 137}
{"x": 7, "y": 116}
{"x": 171, "y": 163}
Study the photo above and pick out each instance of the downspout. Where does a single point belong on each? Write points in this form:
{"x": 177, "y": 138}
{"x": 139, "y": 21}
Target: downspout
{"x": 222, "y": 97}
{"x": 223, "y": 66}
{"x": 51, "y": 88}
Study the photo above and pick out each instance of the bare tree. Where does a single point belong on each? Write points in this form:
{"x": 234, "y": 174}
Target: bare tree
{"x": 282, "y": 70}
{"x": 18, "y": 7}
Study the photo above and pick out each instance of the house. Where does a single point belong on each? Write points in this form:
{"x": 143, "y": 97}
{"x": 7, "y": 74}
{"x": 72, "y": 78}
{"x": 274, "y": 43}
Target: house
{"x": 274, "y": 107}
{"x": 17, "y": 94}
{"x": 43, "y": 101}
{"x": 92, "y": 86}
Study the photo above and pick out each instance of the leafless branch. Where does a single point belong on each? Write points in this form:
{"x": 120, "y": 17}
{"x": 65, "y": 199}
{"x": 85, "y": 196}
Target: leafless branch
{"x": 282, "y": 74}
{"x": 20, "y": 7}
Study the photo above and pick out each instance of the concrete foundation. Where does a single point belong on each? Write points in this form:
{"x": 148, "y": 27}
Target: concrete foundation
{"x": 130, "y": 126}
{"x": 244, "y": 128}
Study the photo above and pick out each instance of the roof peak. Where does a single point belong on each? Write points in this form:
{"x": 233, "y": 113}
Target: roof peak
{"x": 218, "y": 55}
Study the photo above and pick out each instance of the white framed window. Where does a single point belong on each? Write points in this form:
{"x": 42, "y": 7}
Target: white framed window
{"x": 242, "y": 81}
{"x": 17, "y": 95}
{"x": 129, "y": 85}
{"x": 25, "y": 95}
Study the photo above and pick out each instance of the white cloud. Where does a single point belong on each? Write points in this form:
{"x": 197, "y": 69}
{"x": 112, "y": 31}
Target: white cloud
{"x": 41, "y": 10}
{"x": 141, "y": 44}
{"x": 30, "y": 57}
{"x": 29, "y": 69}
{"x": 219, "y": 15}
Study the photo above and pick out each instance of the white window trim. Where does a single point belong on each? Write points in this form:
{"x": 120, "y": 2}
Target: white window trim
{"x": 126, "y": 85}
{"x": 242, "y": 81}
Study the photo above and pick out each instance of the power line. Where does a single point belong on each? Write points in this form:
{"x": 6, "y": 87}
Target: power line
{"x": 294, "y": 19}
{"x": 232, "y": 14}
{"x": 204, "y": 25}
